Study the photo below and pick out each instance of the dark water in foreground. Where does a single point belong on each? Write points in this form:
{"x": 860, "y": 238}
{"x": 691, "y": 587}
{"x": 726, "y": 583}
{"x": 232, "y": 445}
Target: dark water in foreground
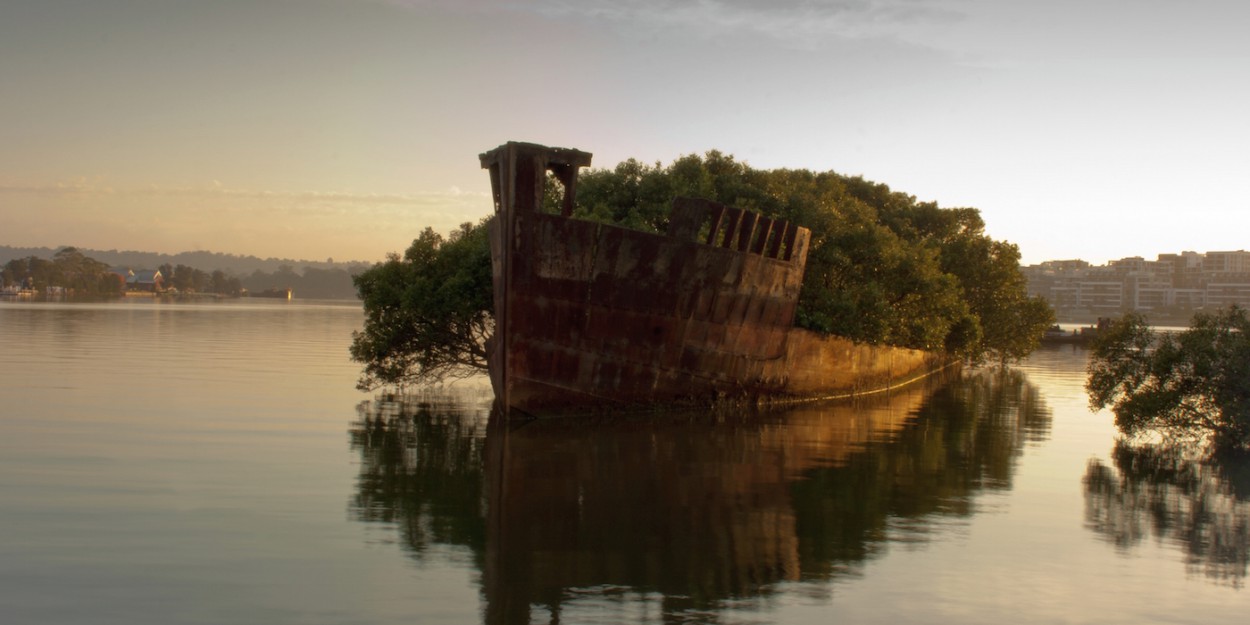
{"x": 212, "y": 463}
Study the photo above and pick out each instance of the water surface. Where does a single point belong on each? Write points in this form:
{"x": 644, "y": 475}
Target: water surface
{"x": 213, "y": 463}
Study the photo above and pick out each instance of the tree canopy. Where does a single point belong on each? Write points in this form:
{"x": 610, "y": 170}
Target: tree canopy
{"x": 1195, "y": 383}
{"x": 69, "y": 268}
{"x": 883, "y": 268}
{"x": 428, "y": 314}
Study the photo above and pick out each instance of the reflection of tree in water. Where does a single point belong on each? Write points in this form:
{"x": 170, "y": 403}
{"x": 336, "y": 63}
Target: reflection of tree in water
{"x": 964, "y": 439}
{"x": 1198, "y": 502}
{"x": 680, "y": 516}
{"x": 421, "y": 468}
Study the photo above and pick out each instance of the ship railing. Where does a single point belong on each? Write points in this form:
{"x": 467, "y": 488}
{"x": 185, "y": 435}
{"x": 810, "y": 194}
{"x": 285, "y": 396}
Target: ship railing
{"x": 712, "y": 223}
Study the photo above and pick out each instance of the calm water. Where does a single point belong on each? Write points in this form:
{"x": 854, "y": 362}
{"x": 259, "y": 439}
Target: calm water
{"x": 213, "y": 463}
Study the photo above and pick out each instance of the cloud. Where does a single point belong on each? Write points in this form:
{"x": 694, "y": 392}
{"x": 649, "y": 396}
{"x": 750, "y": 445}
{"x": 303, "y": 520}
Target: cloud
{"x": 307, "y": 224}
{"x": 783, "y": 19}
{"x": 441, "y": 209}
{"x": 97, "y": 187}
{"x": 793, "y": 22}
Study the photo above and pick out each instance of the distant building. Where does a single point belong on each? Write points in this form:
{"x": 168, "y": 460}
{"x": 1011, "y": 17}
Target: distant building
{"x": 1226, "y": 262}
{"x": 1223, "y": 294}
{"x": 1171, "y": 285}
{"x": 148, "y": 280}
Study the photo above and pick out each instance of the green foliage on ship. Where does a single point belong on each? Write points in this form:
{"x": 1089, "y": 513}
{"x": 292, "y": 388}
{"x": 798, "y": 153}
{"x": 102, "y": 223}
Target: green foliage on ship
{"x": 428, "y": 312}
{"x": 1190, "y": 385}
{"x": 882, "y": 269}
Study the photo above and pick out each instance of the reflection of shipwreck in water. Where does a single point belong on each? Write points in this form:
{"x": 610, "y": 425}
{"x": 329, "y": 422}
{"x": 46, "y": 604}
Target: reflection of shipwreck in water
{"x": 592, "y": 316}
{"x": 690, "y": 512}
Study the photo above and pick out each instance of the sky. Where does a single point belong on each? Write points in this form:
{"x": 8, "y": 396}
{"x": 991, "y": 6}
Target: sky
{"x": 314, "y": 129}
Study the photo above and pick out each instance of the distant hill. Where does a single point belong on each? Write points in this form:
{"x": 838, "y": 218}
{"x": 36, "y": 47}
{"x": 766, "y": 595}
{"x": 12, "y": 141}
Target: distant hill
{"x": 307, "y": 278}
{"x": 206, "y": 261}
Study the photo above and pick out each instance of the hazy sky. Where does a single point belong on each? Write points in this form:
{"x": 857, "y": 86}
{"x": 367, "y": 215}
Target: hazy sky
{"x": 340, "y": 128}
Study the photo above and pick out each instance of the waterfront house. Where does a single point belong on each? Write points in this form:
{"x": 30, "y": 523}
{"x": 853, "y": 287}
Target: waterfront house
{"x": 147, "y": 280}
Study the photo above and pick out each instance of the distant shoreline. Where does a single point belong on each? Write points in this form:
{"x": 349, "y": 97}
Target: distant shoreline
{"x": 200, "y": 259}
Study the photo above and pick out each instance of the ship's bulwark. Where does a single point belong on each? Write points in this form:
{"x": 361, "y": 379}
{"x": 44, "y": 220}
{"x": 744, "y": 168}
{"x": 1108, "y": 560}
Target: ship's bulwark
{"x": 598, "y": 317}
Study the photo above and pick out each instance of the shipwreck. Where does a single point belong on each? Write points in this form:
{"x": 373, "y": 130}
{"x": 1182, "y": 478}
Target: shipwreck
{"x": 592, "y": 317}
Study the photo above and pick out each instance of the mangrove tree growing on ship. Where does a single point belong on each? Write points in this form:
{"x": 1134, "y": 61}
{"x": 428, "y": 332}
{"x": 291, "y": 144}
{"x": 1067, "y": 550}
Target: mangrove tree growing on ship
{"x": 883, "y": 268}
{"x": 427, "y": 313}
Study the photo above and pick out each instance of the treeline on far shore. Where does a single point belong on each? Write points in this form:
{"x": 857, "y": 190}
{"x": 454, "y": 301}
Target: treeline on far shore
{"x": 231, "y": 264}
{"x": 306, "y": 283}
{"x": 71, "y": 272}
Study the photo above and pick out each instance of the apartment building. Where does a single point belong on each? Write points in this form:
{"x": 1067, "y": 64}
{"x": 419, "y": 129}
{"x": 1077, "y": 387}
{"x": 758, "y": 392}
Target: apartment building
{"x": 1172, "y": 283}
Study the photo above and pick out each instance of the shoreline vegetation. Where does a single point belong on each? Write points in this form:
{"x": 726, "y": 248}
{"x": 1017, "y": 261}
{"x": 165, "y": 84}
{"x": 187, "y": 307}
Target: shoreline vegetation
{"x": 233, "y": 264}
{"x": 1189, "y": 386}
{"x": 1174, "y": 318}
{"x": 71, "y": 274}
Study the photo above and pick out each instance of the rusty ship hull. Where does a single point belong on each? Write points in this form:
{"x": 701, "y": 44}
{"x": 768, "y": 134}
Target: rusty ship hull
{"x": 592, "y": 317}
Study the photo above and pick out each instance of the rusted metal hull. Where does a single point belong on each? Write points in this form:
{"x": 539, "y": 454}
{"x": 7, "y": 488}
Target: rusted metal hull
{"x": 593, "y": 317}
